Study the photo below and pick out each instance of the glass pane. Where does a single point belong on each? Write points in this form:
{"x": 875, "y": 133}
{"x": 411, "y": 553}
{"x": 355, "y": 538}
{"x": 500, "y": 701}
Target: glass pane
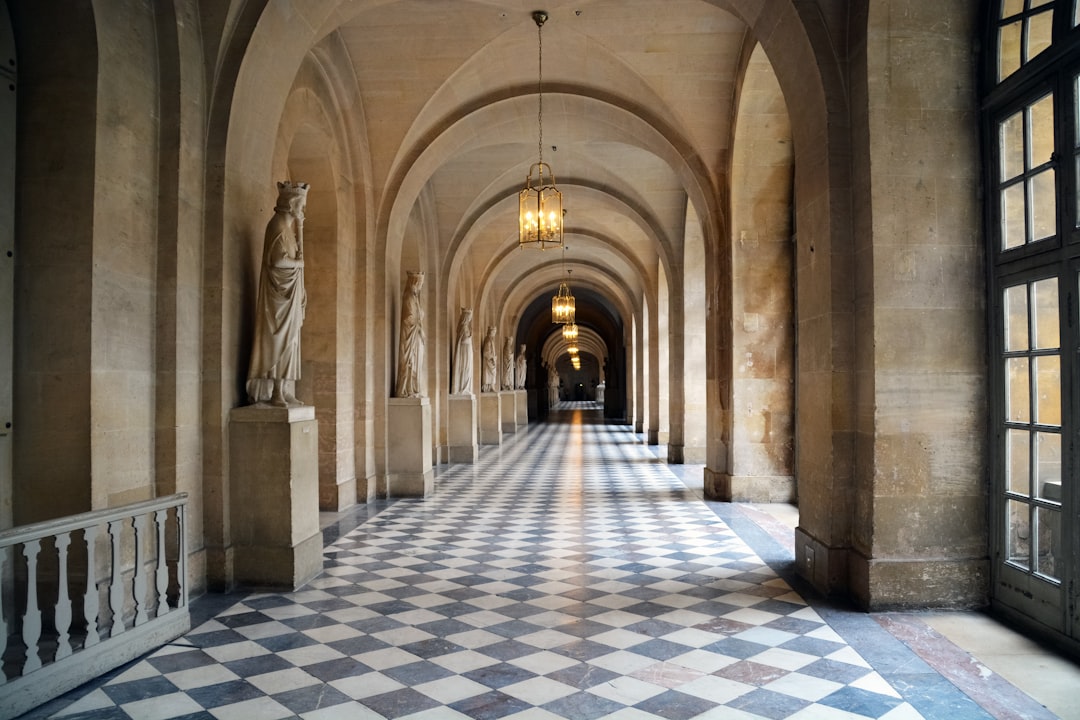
{"x": 1012, "y": 217}
{"x": 1046, "y": 335}
{"x": 1018, "y": 533}
{"x": 1012, "y": 146}
{"x": 1018, "y": 462}
{"x": 1041, "y": 129}
{"x": 1048, "y": 470}
{"x": 1016, "y": 318}
{"x": 1017, "y": 391}
{"x": 1039, "y": 30}
{"x": 1049, "y": 546}
{"x": 1043, "y": 205}
{"x": 1008, "y": 50}
{"x": 1078, "y": 188}
{"x": 1048, "y": 390}
{"x": 1011, "y": 7}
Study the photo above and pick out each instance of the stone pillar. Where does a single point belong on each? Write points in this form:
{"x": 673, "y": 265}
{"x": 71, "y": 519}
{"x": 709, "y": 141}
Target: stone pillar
{"x": 461, "y": 428}
{"x": 408, "y": 471}
{"x": 508, "y": 405}
{"x": 490, "y": 419}
{"x": 521, "y": 400}
{"x": 274, "y": 470}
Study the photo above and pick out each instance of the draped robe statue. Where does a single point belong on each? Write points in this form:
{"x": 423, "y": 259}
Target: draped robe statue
{"x": 463, "y": 356}
{"x": 519, "y": 371}
{"x": 553, "y": 385}
{"x": 282, "y": 302}
{"x": 508, "y": 365}
{"x": 411, "y": 342}
{"x": 489, "y": 357}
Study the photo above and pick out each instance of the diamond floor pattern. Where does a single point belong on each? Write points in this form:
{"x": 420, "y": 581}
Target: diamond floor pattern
{"x": 568, "y": 575}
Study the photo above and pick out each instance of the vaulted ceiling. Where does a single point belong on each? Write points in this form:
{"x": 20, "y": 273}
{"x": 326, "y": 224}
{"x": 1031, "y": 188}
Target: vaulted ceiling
{"x": 637, "y": 107}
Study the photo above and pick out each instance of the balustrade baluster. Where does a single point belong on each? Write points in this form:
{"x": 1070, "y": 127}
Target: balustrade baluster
{"x": 62, "y": 613}
{"x": 161, "y": 578}
{"x": 116, "y": 581}
{"x": 139, "y": 581}
{"x": 91, "y": 603}
{"x": 181, "y": 557}
{"x": 32, "y": 618}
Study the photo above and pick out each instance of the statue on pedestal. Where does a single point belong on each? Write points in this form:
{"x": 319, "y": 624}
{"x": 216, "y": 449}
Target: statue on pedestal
{"x": 463, "y": 356}
{"x": 553, "y": 385}
{"x": 281, "y": 304}
{"x": 508, "y": 364}
{"x": 489, "y": 356}
{"x": 519, "y": 371}
{"x": 411, "y": 341}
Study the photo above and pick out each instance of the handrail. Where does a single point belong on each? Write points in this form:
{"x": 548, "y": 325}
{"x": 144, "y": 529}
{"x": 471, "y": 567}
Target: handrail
{"x": 125, "y": 594}
{"x": 23, "y": 533}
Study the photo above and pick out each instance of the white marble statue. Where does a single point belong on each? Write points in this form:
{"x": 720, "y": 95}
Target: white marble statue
{"x": 508, "y": 365}
{"x": 463, "y": 356}
{"x": 281, "y": 304}
{"x": 519, "y": 370}
{"x": 553, "y": 385}
{"x": 489, "y": 356}
{"x": 411, "y": 341}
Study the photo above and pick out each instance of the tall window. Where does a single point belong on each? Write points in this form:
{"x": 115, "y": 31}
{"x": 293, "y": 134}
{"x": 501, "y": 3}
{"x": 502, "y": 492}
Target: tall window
{"x": 1032, "y": 163}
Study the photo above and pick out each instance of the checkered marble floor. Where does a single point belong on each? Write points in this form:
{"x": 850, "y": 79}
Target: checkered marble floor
{"x": 569, "y": 574}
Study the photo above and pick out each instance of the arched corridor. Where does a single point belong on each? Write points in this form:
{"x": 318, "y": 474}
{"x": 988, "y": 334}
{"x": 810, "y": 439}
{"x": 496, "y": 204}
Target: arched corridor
{"x": 569, "y": 573}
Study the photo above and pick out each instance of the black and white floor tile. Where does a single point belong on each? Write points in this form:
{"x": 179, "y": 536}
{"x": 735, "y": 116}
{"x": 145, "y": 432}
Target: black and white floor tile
{"x": 568, "y": 575}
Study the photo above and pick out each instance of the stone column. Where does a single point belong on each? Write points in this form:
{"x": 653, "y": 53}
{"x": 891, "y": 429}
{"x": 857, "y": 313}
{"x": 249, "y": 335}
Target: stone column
{"x": 409, "y": 472}
{"x": 462, "y": 428}
{"x": 490, "y": 419}
{"x": 274, "y": 466}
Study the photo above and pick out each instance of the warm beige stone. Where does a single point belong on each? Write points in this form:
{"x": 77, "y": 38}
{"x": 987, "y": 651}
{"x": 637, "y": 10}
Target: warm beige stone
{"x": 462, "y": 428}
{"x": 409, "y": 469}
{"x": 508, "y": 401}
{"x": 491, "y": 418}
{"x": 273, "y": 458}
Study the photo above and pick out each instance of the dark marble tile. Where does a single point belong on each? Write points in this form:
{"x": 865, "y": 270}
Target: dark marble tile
{"x": 500, "y": 675}
{"x": 417, "y": 673}
{"x": 399, "y": 703}
{"x": 226, "y": 693}
{"x": 336, "y": 669}
{"x": 258, "y": 665}
{"x": 172, "y": 662}
{"x": 769, "y": 704}
{"x": 583, "y": 706}
{"x": 142, "y": 689}
{"x": 675, "y": 705}
{"x": 861, "y": 702}
{"x": 490, "y": 706}
{"x": 310, "y": 698}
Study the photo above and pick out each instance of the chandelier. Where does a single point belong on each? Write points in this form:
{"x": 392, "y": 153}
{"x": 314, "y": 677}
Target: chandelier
{"x": 540, "y": 213}
{"x": 563, "y": 305}
{"x": 570, "y": 332}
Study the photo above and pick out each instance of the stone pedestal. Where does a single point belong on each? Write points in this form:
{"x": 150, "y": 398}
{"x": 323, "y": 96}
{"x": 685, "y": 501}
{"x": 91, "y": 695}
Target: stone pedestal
{"x": 461, "y": 428}
{"x": 490, "y": 419}
{"x": 274, "y": 485}
{"x": 408, "y": 432}
{"x": 521, "y": 398}
{"x": 508, "y": 405}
